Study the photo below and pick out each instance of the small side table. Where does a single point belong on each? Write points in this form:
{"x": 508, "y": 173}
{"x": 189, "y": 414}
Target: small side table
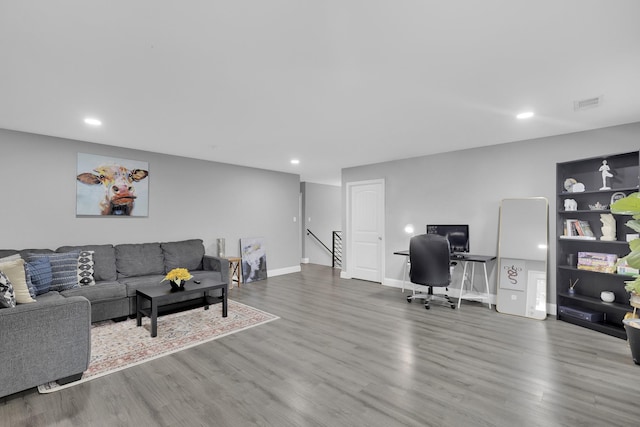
{"x": 235, "y": 270}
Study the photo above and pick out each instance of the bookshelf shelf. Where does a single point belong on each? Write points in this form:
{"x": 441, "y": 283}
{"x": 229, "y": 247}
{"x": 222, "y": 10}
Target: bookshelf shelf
{"x": 625, "y": 169}
{"x": 597, "y": 302}
{"x": 592, "y": 192}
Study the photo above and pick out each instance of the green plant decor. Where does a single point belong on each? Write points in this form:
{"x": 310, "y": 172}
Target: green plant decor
{"x": 630, "y": 205}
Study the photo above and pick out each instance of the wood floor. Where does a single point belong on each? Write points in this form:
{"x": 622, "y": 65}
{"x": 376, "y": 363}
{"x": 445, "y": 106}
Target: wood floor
{"x": 355, "y": 353}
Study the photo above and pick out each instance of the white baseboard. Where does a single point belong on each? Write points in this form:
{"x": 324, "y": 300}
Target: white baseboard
{"x": 304, "y": 261}
{"x": 281, "y": 271}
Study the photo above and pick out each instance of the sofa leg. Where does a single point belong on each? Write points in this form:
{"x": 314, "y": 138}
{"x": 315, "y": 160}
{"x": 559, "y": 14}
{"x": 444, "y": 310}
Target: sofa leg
{"x": 69, "y": 379}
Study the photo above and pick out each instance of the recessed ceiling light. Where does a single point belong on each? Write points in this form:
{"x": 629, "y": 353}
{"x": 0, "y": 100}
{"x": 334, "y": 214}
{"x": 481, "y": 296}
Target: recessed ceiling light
{"x": 295, "y": 161}
{"x": 525, "y": 115}
{"x": 93, "y": 122}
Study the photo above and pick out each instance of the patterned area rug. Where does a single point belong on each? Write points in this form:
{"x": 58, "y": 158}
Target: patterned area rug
{"x": 120, "y": 345}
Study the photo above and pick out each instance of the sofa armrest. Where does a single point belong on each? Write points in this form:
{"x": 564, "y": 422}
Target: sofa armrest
{"x": 214, "y": 263}
{"x": 44, "y": 342}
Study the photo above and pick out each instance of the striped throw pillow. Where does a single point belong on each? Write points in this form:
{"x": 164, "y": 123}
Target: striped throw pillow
{"x": 40, "y": 275}
{"x": 64, "y": 269}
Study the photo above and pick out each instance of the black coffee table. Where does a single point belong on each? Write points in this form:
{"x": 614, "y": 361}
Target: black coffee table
{"x": 163, "y": 299}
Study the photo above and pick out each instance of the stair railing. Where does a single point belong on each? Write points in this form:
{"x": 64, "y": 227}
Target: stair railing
{"x": 336, "y": 252}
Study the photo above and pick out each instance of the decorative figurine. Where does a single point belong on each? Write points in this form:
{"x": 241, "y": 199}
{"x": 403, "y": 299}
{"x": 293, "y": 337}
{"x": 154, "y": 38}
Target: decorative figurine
{"x": 570, "y": 205}
{"x": 604, "y": 169}
{"x": 608, "y": 227}
{"x": 568, "y": 184}
{"x": 598, "y": 207}
{"x": 573, "y": 186}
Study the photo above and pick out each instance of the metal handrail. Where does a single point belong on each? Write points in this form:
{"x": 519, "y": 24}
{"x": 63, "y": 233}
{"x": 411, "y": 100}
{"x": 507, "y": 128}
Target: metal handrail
{"x": 336, "y": 252}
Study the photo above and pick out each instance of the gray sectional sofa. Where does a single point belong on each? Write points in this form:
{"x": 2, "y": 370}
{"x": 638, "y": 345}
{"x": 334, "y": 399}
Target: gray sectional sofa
{"x": 50, "y": 339}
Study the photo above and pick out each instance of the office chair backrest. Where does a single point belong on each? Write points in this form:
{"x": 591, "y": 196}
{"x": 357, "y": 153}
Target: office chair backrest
{"x": 429, "y": 255}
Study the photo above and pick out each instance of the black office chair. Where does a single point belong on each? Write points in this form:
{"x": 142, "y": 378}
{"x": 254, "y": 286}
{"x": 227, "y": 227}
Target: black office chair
{"x": 430, "y": 267}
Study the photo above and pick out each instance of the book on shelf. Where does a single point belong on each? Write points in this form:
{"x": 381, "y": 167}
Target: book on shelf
{"x": 586, "y": 228}
{"x": 595, "y": 261}
{"x": 578, "y": 237}
{"x": 570, "y": 228}
{"x": 578, "y": 229}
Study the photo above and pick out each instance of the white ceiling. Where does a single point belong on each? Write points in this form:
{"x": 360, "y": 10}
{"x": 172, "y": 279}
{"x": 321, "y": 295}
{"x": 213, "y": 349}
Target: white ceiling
{"x": 335, "y": 83}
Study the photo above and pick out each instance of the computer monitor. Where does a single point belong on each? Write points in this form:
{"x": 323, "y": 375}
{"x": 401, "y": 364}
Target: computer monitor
{"x": 458, "y": 235}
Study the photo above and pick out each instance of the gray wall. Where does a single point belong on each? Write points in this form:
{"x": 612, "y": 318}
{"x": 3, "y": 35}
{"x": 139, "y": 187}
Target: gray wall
{"x": 467, "y": 187}
{"x": 321, "y": 215}
{"x": 189, "y": 198}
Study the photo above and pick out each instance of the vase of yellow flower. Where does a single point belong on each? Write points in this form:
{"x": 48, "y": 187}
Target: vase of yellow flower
{"x": 177, "y": 278}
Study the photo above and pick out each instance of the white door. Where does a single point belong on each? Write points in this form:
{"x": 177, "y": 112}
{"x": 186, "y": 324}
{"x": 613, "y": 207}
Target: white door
{"x": 366, "y": 230}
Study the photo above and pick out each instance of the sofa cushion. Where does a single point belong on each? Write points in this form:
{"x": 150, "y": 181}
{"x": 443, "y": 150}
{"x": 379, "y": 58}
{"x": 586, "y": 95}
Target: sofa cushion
{"x": 185, "y": 254}
{"x": 50, "y": 296}
{"x": 24, "y": 253}
{"x": 7, "y": 252}
{"x": 10, "y": 257}
{"x": 39, "y": 274}
{"x": 102, "y": 292}
{"x": 7, "y": 297}
{"x": 139, "y": 259}
{"x": 64, "y": 269}
{"x": 104, "y": 260}
{"x": 15, "y": 272}
{"x": 134, "y": 283}
{"x": 85, "y": 268}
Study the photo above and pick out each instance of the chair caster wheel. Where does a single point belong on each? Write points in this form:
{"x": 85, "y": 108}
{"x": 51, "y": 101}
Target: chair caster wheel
{"x": 427, "y": 307}
{"x": 453, "y": 306}
{"x": 408, "y": 299}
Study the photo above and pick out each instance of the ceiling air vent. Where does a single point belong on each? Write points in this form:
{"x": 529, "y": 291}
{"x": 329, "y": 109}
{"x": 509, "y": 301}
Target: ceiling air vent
{"x": 586, "y": 104}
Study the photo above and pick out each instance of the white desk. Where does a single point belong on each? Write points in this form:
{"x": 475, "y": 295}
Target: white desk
{"x": 465, "y": 259}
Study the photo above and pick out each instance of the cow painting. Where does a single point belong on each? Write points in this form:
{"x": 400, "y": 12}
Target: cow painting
{"x": 109, "y": 188}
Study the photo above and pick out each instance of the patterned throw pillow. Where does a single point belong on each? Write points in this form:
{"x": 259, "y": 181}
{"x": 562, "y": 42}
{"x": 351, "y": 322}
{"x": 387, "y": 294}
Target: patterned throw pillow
{"x": 85, "y": 268}
{"x": 39, "y": 274}
{"x": 64, "y": 269}
{"x": 7, "y": 298}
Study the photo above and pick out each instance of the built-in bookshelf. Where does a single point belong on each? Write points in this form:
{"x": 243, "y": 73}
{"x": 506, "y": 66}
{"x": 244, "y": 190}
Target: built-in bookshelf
{"x": 580, "y": 229}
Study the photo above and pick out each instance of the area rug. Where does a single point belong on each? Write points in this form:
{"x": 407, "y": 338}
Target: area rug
{"x": 120, "y": 345}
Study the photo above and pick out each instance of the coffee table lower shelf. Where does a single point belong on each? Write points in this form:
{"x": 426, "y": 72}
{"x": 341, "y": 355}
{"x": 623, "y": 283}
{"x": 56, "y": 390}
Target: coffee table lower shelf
{"x": 163, "y": 301}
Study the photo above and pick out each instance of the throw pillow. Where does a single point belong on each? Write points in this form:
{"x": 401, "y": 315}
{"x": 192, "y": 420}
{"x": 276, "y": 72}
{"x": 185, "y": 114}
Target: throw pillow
{"x": 32, "y": 289}
{"x": 10, "y": 258}
{"x": 85, "y": 268}
{"x": 7, "y": 298}
{"x": 15, "y": 272}
{"x": 40, "y": 274}
{"x": 64, "y": 269}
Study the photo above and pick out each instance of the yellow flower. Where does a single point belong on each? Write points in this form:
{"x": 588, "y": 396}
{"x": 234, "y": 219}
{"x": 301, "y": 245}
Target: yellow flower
{"x": 178, "y": 274}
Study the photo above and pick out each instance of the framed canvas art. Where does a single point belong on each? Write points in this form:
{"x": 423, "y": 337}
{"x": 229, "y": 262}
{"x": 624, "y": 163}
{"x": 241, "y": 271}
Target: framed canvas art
{"x": 108, "y": 186}
{"x": 254, "y": 259}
